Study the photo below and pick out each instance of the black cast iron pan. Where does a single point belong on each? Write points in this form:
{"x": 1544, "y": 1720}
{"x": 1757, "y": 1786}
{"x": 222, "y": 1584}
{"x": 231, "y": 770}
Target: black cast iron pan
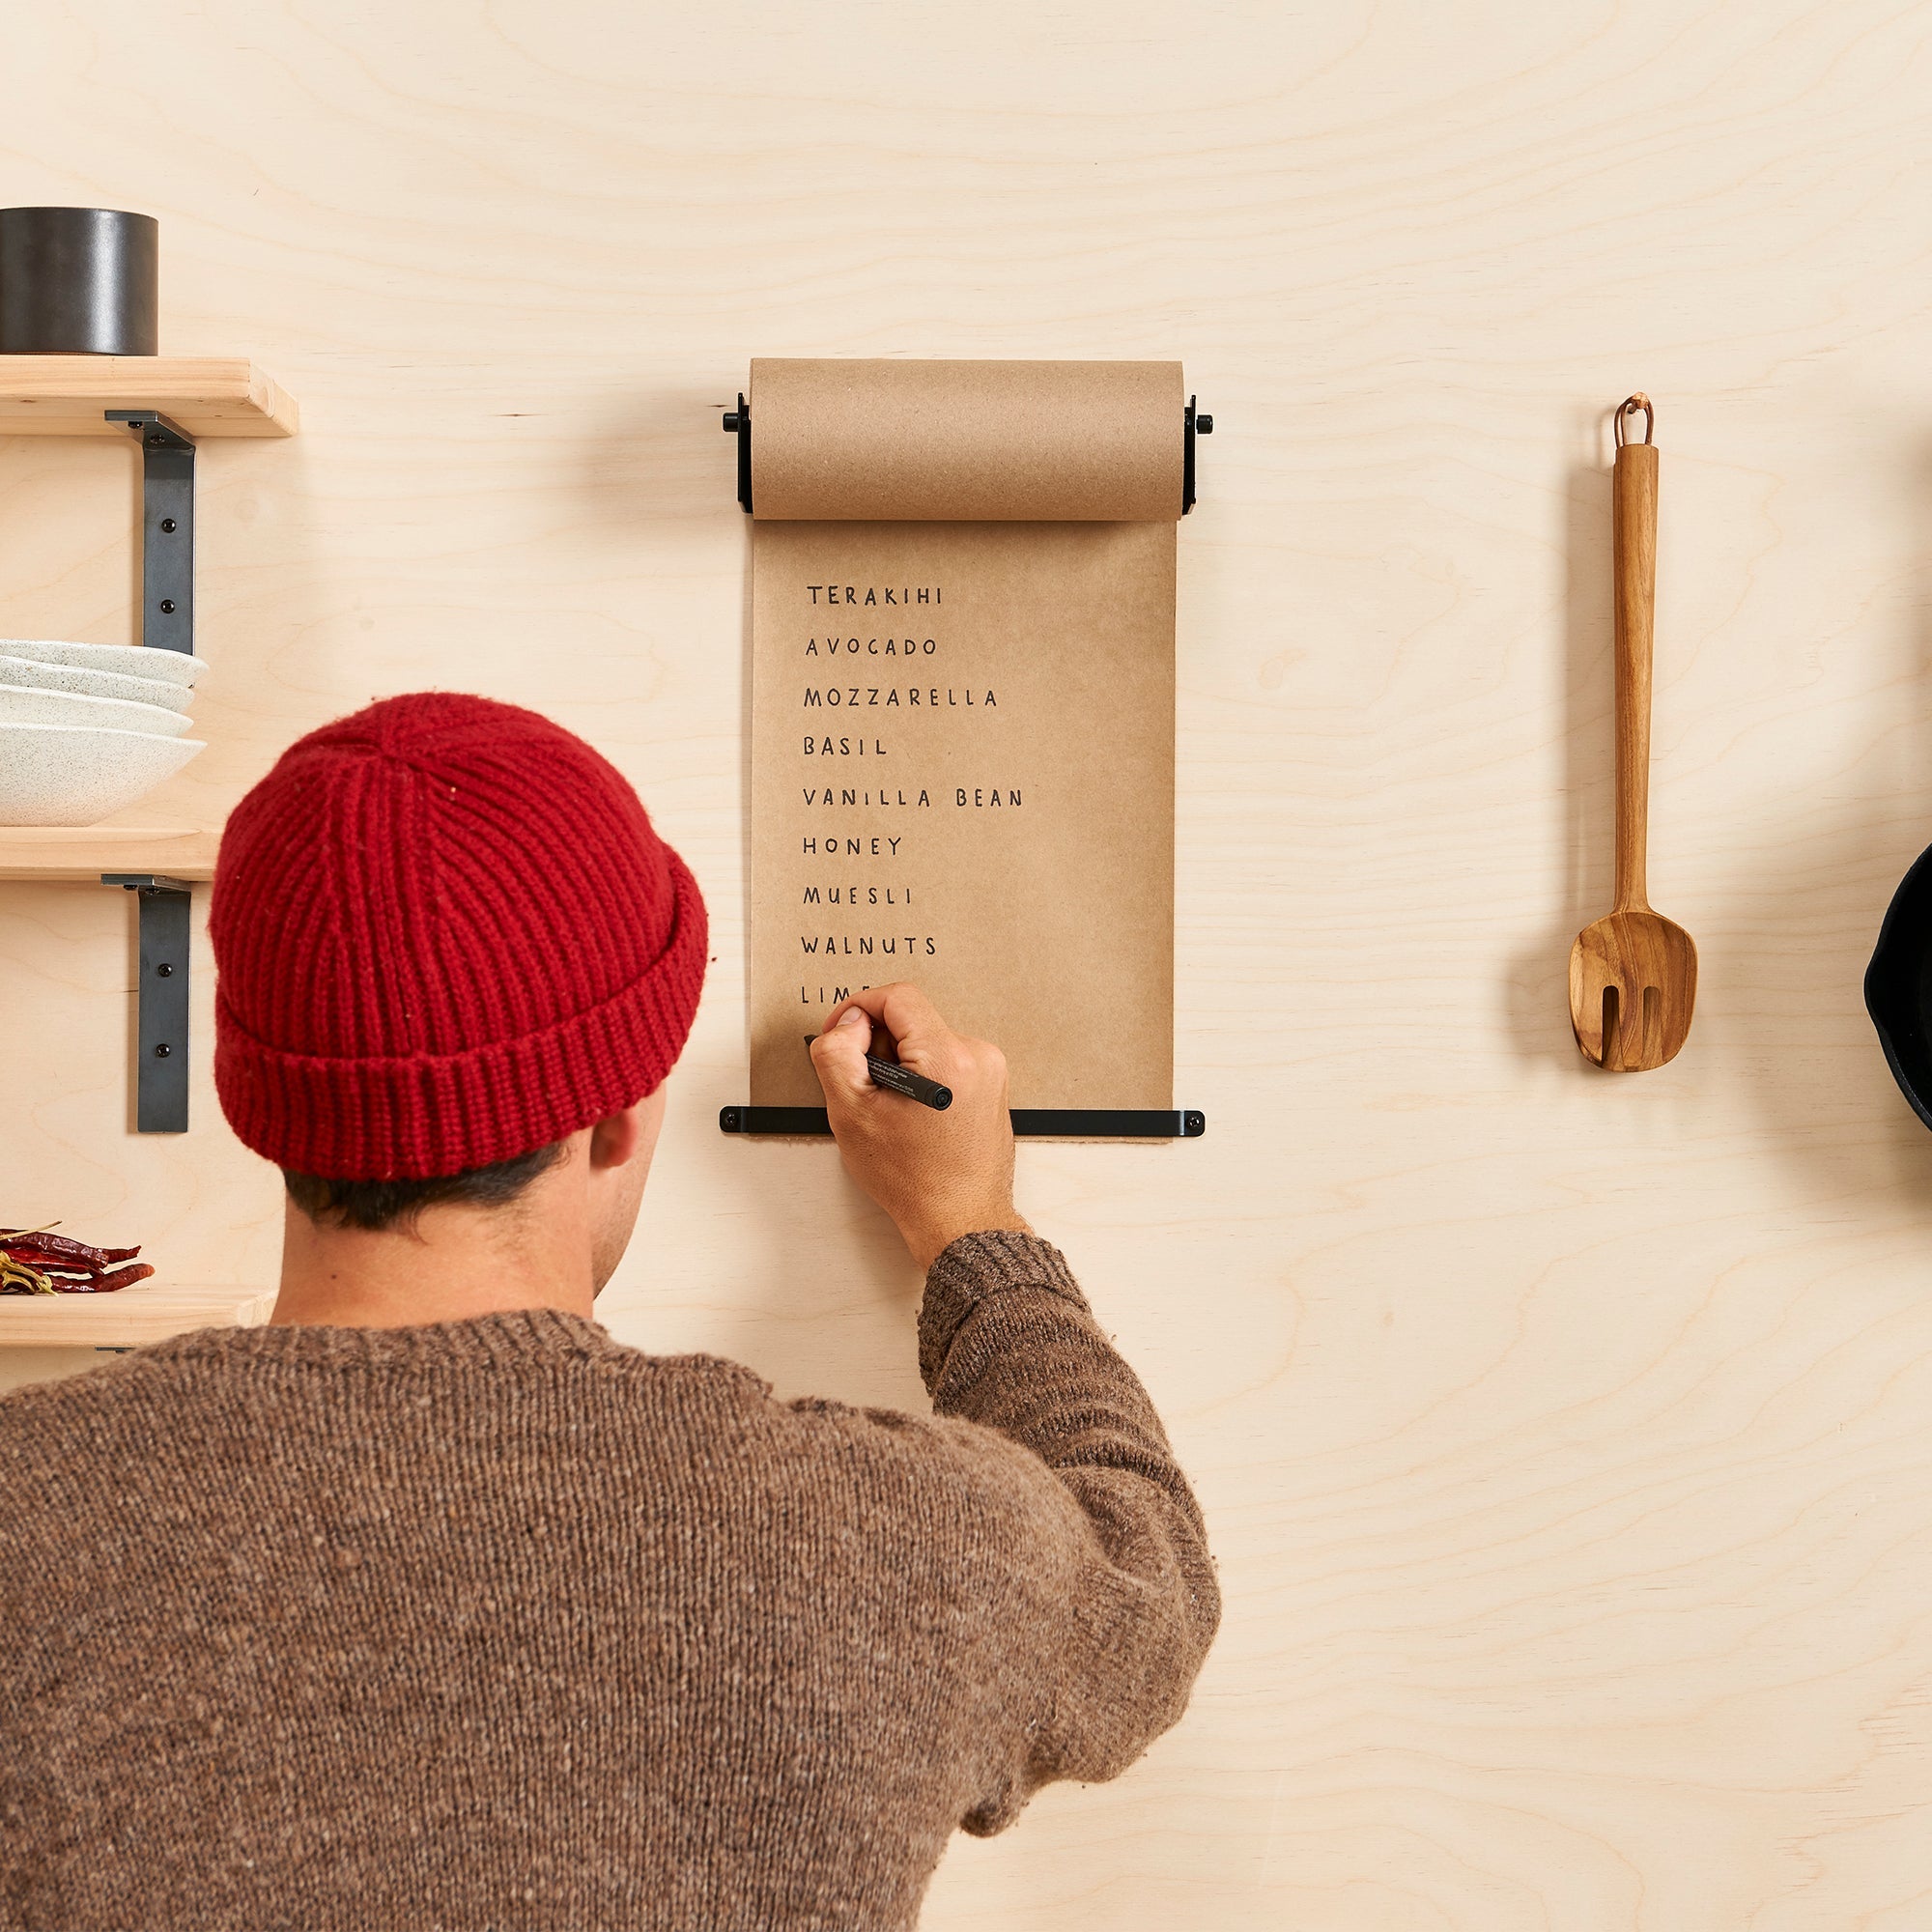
{"x": 1898, "y": 986}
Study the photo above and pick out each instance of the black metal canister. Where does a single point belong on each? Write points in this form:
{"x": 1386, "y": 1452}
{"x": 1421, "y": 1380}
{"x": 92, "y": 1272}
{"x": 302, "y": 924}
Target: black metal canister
{"x": 79, "y": 281}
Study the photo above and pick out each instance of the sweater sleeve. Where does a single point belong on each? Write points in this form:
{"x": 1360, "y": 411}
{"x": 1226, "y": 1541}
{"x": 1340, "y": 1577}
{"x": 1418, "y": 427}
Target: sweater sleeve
{"x": 1112, "y": 1600}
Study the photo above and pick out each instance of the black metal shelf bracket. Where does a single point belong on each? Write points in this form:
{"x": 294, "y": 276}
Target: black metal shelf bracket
{"x": 160, "y": 1049}
{"x": 168, "y": 529}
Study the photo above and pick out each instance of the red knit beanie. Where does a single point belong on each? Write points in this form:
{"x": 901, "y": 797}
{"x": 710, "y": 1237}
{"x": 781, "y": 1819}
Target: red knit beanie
{"x": 445, "y": 934}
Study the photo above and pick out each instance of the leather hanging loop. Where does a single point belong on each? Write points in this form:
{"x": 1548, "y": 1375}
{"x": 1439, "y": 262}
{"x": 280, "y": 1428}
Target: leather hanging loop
{"x": 1629, "y": 408}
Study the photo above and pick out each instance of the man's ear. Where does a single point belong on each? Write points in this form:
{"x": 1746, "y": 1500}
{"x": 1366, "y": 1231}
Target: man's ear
{"x": 622, "y": 1138}
{"x": 614, "y": 1141}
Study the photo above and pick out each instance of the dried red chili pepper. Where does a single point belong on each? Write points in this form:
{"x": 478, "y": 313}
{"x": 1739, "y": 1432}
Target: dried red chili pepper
{"x": 56, "y": 1246}
{"x": 107, "y": 1284}
{"x": 40, "y": 1263}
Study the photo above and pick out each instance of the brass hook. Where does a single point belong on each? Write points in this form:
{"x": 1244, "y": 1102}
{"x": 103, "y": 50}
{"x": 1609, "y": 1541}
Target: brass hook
{"x": 1629, "y": 406}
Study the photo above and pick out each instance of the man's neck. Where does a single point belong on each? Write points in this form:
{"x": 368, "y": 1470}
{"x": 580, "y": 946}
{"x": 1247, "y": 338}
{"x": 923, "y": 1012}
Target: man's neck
{"x": 455, "y": 1263}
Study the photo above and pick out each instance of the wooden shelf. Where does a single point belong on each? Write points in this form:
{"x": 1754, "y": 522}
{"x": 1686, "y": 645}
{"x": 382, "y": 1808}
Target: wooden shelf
{"x": 207, "y": 395}
{"x": 170, "y": 401}
{"x": 54, "y": 853}
{"x": 147, "y": 1312}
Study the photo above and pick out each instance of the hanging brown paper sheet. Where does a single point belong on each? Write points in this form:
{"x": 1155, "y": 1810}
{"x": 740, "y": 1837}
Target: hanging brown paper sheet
{"x": 962, "y": 723}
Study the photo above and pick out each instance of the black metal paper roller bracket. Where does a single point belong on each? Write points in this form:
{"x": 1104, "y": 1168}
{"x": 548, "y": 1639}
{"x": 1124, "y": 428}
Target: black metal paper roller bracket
{"x": 738, "y": 422}
{"x": 1094, "y": 1123}
{"x": 1028, "y": 1123}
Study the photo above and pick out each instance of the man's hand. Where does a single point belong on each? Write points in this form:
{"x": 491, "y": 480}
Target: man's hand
{"x": 939, "y": 1176}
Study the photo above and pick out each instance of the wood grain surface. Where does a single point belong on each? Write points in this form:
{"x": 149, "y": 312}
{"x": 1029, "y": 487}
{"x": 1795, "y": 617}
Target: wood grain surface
{"x": 1566, "y": 1439}
{"x": 206, "y": 395}
{"x": 147, "y": 1312}
{"x": 81, "y": 853}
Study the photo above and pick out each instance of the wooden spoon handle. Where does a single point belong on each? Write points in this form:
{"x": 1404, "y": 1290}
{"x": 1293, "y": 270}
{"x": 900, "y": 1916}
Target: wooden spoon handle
{"x": 1634, "y": 491}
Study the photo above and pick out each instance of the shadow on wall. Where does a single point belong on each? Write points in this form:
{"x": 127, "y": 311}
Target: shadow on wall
{"x": 837, "y": 1318}
{"x": 1796, "y": 958}
{"x": 652, "y": 456}
{"x": 657, "y": 462}
{"x": 746, "y": 859}
{"x": 1539, "y": 992}
{"x": 21, "y": 1368}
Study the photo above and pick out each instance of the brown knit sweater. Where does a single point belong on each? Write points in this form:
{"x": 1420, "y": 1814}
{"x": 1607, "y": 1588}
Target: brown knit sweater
{"x": 498, "y": 1624}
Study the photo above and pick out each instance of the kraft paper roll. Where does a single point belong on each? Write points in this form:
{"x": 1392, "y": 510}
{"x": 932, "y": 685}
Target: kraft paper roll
{"x": 884, "y": 442}
{"x": 963, "y": 712}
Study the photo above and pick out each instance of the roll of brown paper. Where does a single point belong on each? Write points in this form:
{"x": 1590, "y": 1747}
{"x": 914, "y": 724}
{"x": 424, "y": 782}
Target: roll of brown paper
{"x": 882, "y": 441}
{"x": 963, "y": 712}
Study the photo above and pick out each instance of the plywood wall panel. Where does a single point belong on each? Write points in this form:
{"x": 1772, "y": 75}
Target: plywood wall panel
{"x": 1564, "y": 1437}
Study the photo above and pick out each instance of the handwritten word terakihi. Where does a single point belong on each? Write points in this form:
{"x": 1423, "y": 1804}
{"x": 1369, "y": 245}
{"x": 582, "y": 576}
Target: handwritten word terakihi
{"x": 849, "y": 593}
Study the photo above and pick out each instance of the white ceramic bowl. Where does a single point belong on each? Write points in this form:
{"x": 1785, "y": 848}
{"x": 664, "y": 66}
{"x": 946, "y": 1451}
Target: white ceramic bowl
{"x": 22, "y": 704}
{"x": 123, "y": 659}
{"x": 92, "y": 683}
{"x": 76, "y": 775}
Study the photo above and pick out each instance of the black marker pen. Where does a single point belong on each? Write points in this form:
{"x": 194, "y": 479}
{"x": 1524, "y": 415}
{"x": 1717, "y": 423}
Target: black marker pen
{"x": 897, "y": 1079}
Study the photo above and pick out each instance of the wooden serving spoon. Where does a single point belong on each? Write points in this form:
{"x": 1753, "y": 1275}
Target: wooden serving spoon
{"x": 1633, "y": 976}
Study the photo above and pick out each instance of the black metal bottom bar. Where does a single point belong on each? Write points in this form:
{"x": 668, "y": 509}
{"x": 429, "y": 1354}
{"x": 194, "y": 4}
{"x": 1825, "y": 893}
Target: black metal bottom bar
{"x": 1111, "y": 1123}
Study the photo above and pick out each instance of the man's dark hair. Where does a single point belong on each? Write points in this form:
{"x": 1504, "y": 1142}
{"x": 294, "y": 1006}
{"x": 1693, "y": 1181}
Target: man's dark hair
{"x": 380, "y": 1204}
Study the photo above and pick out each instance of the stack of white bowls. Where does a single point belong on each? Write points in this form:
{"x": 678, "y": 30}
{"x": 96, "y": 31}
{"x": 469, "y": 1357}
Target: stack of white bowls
{"x": 88, "y": 728}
